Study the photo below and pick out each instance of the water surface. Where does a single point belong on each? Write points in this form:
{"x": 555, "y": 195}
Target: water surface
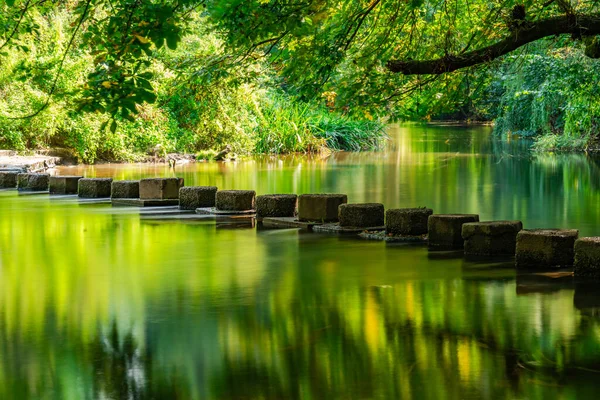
{"x": 103, "y": 303}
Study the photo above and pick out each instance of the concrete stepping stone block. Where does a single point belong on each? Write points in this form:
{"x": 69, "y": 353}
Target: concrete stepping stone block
{"x": 33, "y": 182}
{"x": 587, "y": 257}
{"x": 125, "y": 190}
{"x": 276, "y": 205}
{"x": 361, "y": 215}
{"x": 160, "y": 188}
{"x": 407, "y": 221}
{"x": 445, "y": 230}
{"x": 491, "y": 238}
{"x": 320, "y": 207}
{"x": 545, "y": 248}
{"x": 64, "y": 184}
{"x": 8, "y": 180}
{"x": 235, "y": 200}
{"x": 193, "y": 197}
{"x": 94, "y": 187}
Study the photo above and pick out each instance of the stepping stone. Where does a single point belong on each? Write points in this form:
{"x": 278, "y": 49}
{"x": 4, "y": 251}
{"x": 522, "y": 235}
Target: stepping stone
{"x": 160, "y": 188}
{"x": 320, "y": 207}
{"x": 235, "y": 200}
{"x": 491, "y": 238}
{"x": 545, "y": 248}
{"x": 192, "y": 197}
{"x": 8, "y": 180}
{"x": 94, "y": 187}
{"x": 587, "y": 257}
{"x": 276, "y": 205}
{"x": 407, "y": 221}
{"x": 445, "y": 230}
{"x": 363, "y": 215}
{"x": 64, "y": 184}
{"x": 33, "y": 182}
{"x": 125, "y": 190}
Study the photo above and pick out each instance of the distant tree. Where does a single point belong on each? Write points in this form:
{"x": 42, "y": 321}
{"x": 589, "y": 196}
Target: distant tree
{"x": 360, "y": 51}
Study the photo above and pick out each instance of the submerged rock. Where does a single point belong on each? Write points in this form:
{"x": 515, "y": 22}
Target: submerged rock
{"x": 545, "y": 248}
{"x": 491, "y": 238}
{"x": 94, "y": 187}
{"x": 320, "y": 207}
{"x": 276, "y": 205}
{"x": 235, "y": 200}
{"x": 192, "y": 197}
{"x": 445, "y": 230}
{"x": 407, "y": 221}
{"x": 364, "y": 215}
{"x": 125, "y": 190}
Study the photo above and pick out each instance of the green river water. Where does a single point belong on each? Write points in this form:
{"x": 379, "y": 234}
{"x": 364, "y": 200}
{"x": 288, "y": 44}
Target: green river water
{"x": 107, "y": 303}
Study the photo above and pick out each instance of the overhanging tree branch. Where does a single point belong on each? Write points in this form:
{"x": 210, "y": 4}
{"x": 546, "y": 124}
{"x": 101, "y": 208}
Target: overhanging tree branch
{"x": 576, "y": 25}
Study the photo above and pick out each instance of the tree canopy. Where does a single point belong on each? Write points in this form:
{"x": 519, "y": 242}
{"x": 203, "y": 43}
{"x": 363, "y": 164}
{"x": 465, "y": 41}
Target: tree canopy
{"x": 360, "y": 52}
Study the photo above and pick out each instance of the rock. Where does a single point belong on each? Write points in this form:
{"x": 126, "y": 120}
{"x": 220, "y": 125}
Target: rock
{"x": 587, "y": 257}
{"x": 192, "y": 197}
{"x": 235, "y": 200}
{"x": 64, "y": 184}
{"x": 445, "y": 230}
{"x": 545, "y": 248}
{"x": 276, "y": 205}
{"x": 407, "y": 221}
{"x": 125, "y": 190}
{"x": 362, "y": 215}
{"x": 160, "y": 188}
{"x": 94, "y": 187}
{"x": 320, "y": 207}
{"x": 220, "y": 156}
{"x": 34, "y": 182}
{"x": 491, "y": 238}
{"x": 8, "y": 179}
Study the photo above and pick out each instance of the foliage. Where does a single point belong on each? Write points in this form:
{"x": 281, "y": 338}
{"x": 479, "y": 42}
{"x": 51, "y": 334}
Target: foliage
{"x": 552, "y": 93}
{"x": 192, "y": 112}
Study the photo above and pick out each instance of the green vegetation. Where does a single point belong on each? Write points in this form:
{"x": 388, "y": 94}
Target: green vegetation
{"x": 111, "y": 79}
{"x": 193, "y": 113}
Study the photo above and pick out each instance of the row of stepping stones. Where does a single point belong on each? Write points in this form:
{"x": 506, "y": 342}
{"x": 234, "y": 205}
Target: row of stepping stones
{"x": 532, "y": 248}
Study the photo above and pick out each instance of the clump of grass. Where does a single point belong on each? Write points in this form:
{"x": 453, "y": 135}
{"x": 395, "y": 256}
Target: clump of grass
{"x": 351, "y": 135}
{"x": 287, "y": 127}
{"x": 206, "y": 155}
{"x": 554, "y": 142}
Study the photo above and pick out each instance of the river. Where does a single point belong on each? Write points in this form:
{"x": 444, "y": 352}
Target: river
{"x": 107, "y": 303}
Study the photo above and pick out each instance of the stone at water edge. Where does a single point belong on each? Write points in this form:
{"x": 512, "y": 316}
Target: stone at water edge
{"x": 545, "y": 248}
{"x": 363, "y": 215}
{"x": 407, "y": 221}
{"x": 64, "y": 184}
{"x": 587, "y": 257}
{"x": 491, "y": 238}
{"x": 320, "y": 207}
{"x": 445, "y": 230}
{"x": 193, "y": 197}
{"x": 8, "y": 179}
{"x": 94, "y": 188}
{"x": 276, "y": 205}
{"x": 33, "y": 182}
{"x": 125, "y": 190}
{"x": 160, "y": 188}
{"x": 235, "y": 200}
